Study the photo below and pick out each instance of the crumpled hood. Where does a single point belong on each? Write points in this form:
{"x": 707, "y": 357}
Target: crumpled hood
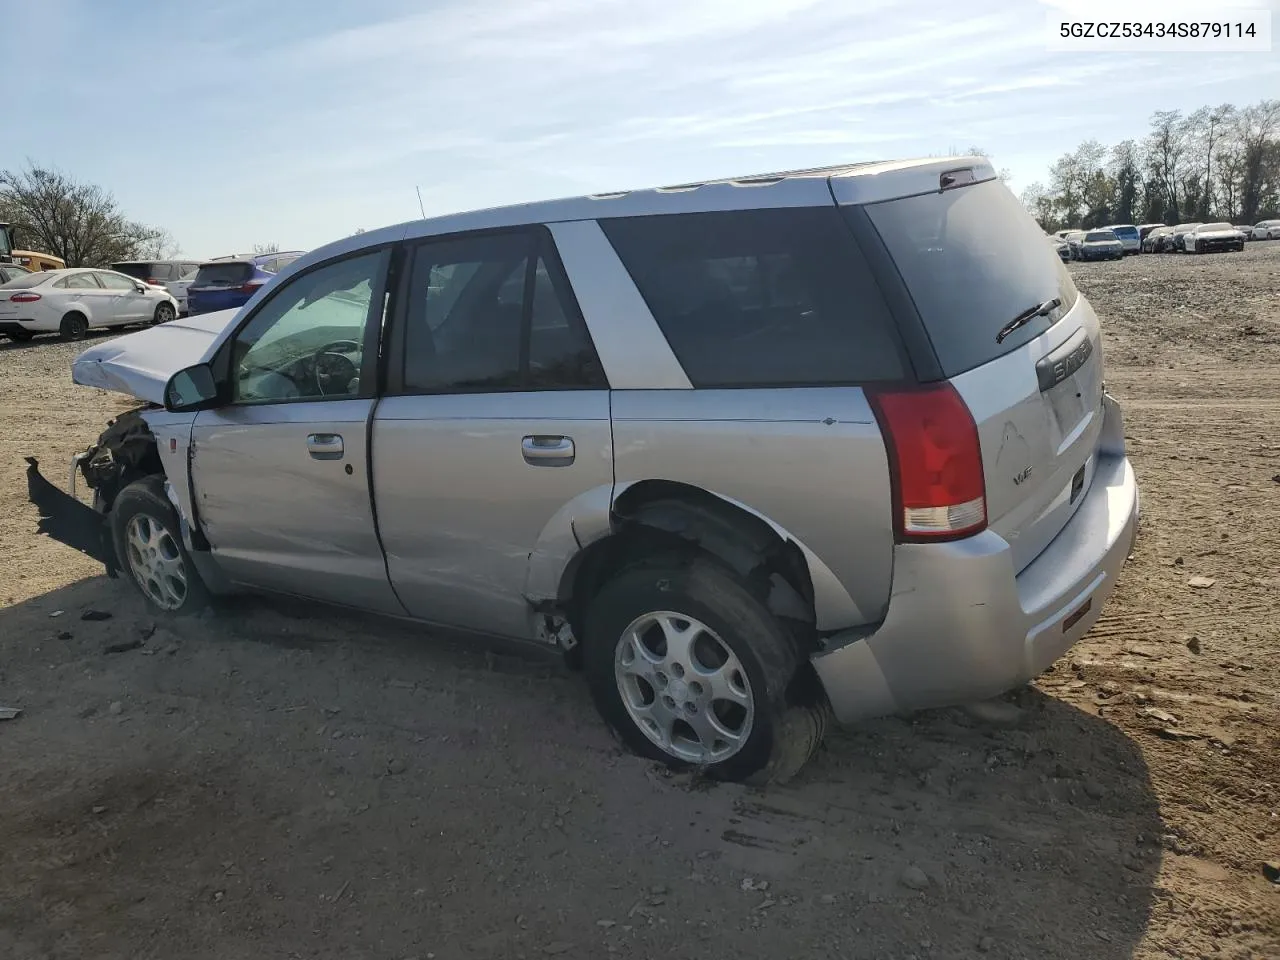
{"x": 140, "y": 364}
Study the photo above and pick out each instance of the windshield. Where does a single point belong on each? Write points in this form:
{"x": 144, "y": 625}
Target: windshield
{"x": 1217, "y": 226}
{"x": 971, "y": 261}
{"x": 1124, "y": 230}
{"x": 1099, "y": 236}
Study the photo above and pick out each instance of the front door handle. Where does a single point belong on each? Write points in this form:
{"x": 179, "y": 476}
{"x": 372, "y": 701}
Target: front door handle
{"x": 325, "y": 446}
{"x": 547, "y": 451}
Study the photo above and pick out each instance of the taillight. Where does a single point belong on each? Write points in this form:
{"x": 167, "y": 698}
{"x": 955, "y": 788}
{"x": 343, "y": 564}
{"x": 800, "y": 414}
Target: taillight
{"x": 24, "y": 298}
{"x": 939, "y": 492}
{"x": 251, "y": 286}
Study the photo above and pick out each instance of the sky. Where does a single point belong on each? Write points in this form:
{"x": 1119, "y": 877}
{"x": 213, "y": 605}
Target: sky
{"x": 238, "y": 122}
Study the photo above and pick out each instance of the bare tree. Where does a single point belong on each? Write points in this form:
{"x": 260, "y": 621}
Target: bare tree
{"x": 261, "y": 249}
{"x": 79, "y": 222}
{"x": 1206, "y": 129}
{"x": 1258, "y": 129}
{"x": 1166, "y": 147}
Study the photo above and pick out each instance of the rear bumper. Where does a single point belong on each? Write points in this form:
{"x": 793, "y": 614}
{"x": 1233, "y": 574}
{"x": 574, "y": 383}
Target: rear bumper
{"x": 961, "y": 626}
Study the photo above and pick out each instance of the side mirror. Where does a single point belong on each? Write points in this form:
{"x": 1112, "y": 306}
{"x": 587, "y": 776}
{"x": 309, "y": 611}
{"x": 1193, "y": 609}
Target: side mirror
{"x": 141, "y": 287}
{"x": 191, "y": 389}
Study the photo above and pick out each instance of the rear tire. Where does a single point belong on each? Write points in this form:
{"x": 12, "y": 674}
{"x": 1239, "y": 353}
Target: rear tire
{"x": 164, "y": 313}
{"x": 74, "y": 326}
{"x": 148, "y": 540}
{"x": 691, "y": 670}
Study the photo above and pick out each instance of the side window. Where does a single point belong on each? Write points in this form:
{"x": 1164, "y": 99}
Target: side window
{"x": 470, "y": 316}
{"x": 307, "y": 341}
{"x": 114, "y": 281}
{"x": 78, "y": 281}
{"x": 760, "y": 297}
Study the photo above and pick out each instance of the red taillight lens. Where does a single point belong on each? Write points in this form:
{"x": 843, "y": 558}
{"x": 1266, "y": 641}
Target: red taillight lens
{"x": 939, "y": 491}
{"x": 24, "y": 298}
{"x": 251, "y": 286}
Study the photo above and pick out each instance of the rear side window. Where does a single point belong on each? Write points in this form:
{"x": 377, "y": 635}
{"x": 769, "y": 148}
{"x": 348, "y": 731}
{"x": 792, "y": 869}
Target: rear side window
{"x": 222, "y": 275}
{"x": 761, "y": 297}
{"x": 972, "y": 260}
{"x": 79, "y": 281}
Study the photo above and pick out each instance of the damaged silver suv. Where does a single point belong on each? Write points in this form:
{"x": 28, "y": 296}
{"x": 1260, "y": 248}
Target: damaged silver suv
{"x": 752, "y": 452}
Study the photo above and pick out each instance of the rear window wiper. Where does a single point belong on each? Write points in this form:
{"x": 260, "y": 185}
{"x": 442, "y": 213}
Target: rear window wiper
{"x": 1026, "y": 316}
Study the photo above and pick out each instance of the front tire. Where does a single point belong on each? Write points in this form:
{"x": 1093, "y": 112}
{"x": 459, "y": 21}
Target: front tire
{"x": 74, "y": 326}
{"x": 148, "y": 542}
{"x": 164, "y": 313}
{"x": 690, "y": 669}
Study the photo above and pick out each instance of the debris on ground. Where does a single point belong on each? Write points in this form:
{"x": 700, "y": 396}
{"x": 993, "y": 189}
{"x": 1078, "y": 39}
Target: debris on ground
{"x": 123, "y": 646}
{"x": 95, "y": 615}
{"x": 9, "y": 713}
{"x": 1201, "y": 583}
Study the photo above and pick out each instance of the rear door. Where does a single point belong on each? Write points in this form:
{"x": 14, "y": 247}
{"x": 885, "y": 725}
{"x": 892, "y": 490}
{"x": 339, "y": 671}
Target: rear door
{"x": 496, "y": 418}
{"x": 281, "y": 473}
{"x": 971, "y": 261}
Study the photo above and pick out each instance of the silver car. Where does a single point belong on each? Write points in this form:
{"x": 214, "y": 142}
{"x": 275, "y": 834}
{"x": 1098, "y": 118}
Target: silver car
{"x": 752, "y": 452}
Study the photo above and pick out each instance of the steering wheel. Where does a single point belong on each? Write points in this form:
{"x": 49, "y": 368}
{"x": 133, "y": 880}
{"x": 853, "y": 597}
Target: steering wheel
{"x": 335, "y": 369}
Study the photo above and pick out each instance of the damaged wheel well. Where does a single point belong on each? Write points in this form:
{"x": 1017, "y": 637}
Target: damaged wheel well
{"x": 661, "y": 516}
{"x": 126, "y": 451}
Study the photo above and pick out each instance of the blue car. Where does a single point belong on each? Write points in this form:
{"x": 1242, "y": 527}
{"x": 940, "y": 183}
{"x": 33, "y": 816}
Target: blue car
{"x": 229, "y": 282}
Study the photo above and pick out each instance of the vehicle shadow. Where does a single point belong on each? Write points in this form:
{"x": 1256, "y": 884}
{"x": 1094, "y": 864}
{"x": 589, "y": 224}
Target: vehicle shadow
{"x": 289, "y": 777}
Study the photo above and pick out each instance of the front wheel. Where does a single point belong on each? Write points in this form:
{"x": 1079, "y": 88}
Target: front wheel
{"x": 164, "y": 313}
{"x": 148, "y": 542}
{"x": 692, "y": 670}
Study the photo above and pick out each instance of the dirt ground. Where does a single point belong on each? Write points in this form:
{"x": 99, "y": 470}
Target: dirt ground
{"x": 276, "y": 780}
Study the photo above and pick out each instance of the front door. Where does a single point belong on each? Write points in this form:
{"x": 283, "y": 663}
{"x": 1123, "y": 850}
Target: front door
{"x": 498, "y": 418}
{"x": 129, "y": 304}
{"x": 281, "y": 473}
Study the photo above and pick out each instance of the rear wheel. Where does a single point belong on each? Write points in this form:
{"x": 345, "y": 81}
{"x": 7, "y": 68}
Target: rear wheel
{"x": 148, "y": 542}
{"x": 164, "y": 313}
{"x": 74, "y": 326}
{"x": 690, "y": 669}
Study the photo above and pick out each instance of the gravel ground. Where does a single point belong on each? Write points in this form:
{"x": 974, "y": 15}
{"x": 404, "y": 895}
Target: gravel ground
{"x": 280, "y": 781}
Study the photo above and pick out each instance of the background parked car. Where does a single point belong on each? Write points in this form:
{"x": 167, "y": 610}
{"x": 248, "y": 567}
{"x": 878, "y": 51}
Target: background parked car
{"x": 1212, "y": 238}
{"x": 1245, "y": 231}
{"x": 1153, "y": 242}
{"x": 1144, "y": 231}
{"x": 1128, "y": 236}
{"x": 174, "y": 275}
{"x": 71, "y": 302}
{"x": 1267, "y": 230}
{"x": 1174, "y": 242}
{"x": 229, "y": 282}
{"x": 12, "y": 271}
{"x": 1099, "y": 245}
{"x": 1073, "y": 239}
{"x": 1061, "y": 247}
{"x": 35, "y": 261}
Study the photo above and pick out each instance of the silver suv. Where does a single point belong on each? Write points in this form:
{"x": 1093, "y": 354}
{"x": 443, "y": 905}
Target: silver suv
{"x": 752, "y": 452}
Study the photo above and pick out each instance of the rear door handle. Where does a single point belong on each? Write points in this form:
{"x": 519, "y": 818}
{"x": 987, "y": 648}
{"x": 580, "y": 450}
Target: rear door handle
{"x": 547, "y": 451}
{"x": 325, "y": 446}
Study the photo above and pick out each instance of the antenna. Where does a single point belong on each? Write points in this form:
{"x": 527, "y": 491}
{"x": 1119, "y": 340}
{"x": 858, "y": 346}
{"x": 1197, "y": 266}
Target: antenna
{"x": 420, "y": 208}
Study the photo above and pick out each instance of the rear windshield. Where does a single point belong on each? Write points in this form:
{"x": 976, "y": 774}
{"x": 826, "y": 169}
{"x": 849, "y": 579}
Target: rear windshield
{"x": 139, "y": 271}
{"x": 1217, "y": 226}
{"x": 760, "y": 297}
{"x": 26, "y": 280}
{"x": 972, "y": 261}
{"x": 222, "y": 274}
{"x": 1129, "y": 231}
{"x": 1099, "y": 236}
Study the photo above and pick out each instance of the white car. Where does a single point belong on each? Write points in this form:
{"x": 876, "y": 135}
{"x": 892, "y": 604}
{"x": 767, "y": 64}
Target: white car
{"x": 174, "y": 275}
{"x": 71, "y": 302}
{"x": 1267, "y": 230}
{"x": 1211, "y": 237}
